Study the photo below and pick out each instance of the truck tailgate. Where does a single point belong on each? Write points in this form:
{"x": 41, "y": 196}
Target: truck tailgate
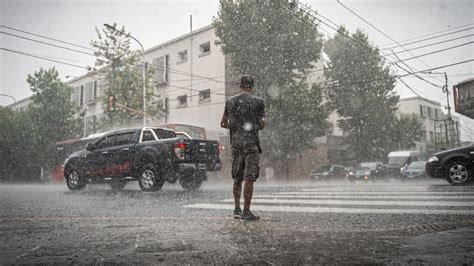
{"x": 198, "y": 150}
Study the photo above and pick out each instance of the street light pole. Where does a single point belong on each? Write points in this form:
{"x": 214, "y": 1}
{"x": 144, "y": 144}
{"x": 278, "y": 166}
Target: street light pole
{"x": 143, "y": 69}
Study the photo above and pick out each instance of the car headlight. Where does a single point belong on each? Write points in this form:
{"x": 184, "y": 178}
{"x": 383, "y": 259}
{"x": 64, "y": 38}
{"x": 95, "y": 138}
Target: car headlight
{"x": 433, "y": 159}
{"x": 351, "y": 173}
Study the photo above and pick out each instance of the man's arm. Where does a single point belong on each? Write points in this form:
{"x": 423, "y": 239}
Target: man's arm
{"x": 261, "y": 117}
{"x": 225, "y": 118}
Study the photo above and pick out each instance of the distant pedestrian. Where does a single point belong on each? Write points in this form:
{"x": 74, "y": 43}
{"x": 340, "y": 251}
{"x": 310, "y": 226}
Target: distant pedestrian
{"x": 244, "y": 116}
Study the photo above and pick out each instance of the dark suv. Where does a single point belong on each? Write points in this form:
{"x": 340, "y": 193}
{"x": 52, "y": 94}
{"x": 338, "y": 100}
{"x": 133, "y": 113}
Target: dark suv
{"x": 455, "y": 165}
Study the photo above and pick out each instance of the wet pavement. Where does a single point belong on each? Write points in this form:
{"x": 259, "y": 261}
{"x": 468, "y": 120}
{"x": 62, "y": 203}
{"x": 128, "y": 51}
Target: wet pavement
{"x": 311, "y": 222}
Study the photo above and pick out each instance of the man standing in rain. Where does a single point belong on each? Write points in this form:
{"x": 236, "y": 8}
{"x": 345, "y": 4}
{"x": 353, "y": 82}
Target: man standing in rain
{"x": 244, "y": 116}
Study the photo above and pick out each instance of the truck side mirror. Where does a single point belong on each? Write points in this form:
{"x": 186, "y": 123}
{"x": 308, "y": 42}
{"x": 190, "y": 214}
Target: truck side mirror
{"x": 89, "y": 146}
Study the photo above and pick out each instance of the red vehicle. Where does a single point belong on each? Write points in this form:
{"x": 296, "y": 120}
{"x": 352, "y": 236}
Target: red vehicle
{"x": 64, "y": 149}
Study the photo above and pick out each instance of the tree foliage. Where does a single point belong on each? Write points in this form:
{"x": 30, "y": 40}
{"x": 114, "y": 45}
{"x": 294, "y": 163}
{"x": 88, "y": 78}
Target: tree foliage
{"x": 27, "y": 138}
{"x": 407, "y": 130}
{"x": 120, "y": 70}
{"x": 360, "y": 88}
{"x": 277, "y": 44}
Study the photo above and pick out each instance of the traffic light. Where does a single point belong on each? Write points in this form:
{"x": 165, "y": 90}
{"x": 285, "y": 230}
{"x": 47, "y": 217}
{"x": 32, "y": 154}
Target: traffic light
{"x": 111, "y": 104}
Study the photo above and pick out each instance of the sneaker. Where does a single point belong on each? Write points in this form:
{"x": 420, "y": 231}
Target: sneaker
{"x": 237, "y": 213}
{"x": 248, "y": 216}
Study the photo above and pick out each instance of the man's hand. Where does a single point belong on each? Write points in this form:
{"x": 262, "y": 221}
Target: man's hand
{"x": 224, "y": 122}
{"x": 261, "y": 123}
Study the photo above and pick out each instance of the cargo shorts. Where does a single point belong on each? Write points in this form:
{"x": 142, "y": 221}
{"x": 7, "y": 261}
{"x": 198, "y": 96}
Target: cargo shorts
{"x": 245, "y": 164}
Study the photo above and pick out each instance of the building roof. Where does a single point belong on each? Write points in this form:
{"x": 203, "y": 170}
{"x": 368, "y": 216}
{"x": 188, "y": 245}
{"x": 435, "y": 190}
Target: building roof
{"x": 194, "y": 32}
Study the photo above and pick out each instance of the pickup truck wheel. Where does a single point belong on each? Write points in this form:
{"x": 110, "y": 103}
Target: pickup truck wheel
{"x": 74, "y": 179}
{"x": 117, "y": 185}
{"x": 191, "y": 181}
{"x": 149, "y": 179}
{"x": 457, "y": 173}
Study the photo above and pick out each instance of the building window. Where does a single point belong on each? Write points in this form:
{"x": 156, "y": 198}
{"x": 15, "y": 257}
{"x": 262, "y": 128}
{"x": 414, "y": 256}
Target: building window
{"x": 429, "y": 112}
{"x": 160, "y": 66}
{"x": 421, "y": 110}
{"x": 89, "y": 93}
{"x": 182, "y": 56}
{"x": 182, "y": 101}
{"x": 76, "y": 99}
{"x": 205, "y": 49}
{"x": 436, "y": 114}
{"x": 431, "y": 136}
{"x": 205, "y": 96}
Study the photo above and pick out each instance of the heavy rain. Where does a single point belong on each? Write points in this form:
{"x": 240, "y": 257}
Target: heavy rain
{"x": 237, "y": 132}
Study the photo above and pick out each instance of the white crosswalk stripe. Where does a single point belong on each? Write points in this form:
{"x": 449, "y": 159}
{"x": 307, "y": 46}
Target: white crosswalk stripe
{"x": 369, "y": 200}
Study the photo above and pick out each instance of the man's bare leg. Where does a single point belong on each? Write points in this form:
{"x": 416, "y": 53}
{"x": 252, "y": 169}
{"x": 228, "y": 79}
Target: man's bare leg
{"x": 237, "y": 193}
{"x": 248, "y": 192}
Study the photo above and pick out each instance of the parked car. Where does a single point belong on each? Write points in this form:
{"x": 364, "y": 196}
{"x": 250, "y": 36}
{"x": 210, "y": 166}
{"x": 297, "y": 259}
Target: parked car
{"x": 397, "y": 161}
{"x": 367, "y": 171}
{"x": 149, "y": 155}
{"x": 454, "y": 165}
{"x": 329, "y": 171}
{"x": 414, "y": 170}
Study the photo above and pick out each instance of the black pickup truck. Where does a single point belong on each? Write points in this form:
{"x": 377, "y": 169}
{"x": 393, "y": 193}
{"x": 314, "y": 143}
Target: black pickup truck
{"x": 149, "y": 155}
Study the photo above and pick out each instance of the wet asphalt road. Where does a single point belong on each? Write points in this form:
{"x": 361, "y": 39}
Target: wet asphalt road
{"x": 311, "y": 222}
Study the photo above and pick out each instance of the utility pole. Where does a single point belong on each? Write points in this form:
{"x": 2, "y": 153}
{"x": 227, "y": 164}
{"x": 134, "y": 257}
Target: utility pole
{"x": 191, "y": 57}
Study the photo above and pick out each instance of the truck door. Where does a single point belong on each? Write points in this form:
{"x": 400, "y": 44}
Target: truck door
{"x": 121, "y": 154}
{"x": 97, "y": 159}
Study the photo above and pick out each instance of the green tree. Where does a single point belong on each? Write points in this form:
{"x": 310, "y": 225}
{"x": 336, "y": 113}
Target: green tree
{"x": 51, "y": 114}
{"x": 277, "y": 44}
{"x": 360, "y": 88}
{"x": 120, "y": 68}
{"x": 407, "y": 130}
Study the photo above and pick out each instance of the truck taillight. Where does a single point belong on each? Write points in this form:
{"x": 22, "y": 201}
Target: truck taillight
{"x": 179, "y": 150}
{"x": 219, "y": 147}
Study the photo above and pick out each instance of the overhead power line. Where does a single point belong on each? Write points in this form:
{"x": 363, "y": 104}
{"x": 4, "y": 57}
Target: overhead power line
{"x": 432, "y": 44}
{"x": 376, "y": 28}
{"x": 426, "y": 39}
{"x": 383, "y": 33}
{"x": 435, "y": 68}
{"x": 437, "y": 51}
{"x": 46, "y": 43}
{"x": 45, "y": 37}
{"x": 43, "y": 58}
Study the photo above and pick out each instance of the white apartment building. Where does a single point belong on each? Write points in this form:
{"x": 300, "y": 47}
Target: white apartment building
{"x": 429, "y": 111}
{"x": 189, "y": 80}
{"x": 192, "y": 79}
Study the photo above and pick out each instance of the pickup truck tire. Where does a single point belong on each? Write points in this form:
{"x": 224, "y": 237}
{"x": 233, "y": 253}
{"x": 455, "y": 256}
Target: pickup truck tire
{"x": 457, "y": 173}
{"x": 75, "y": 180}
{"x": 191, "y": 181}
{"x": 117, "y": 185}
{"x": 149, "y": 178}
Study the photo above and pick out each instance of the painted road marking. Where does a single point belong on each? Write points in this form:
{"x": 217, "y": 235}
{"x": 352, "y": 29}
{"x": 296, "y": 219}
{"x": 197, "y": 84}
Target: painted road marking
{"x": 368, "y": 196}
{"x": 301, "y": 209}
{"x": 363, "y": 202}
{"x": 373, "y": 192}
{"x": 409, "y": 201}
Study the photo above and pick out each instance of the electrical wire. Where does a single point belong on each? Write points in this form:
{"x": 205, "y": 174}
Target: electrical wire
{"x": 43, "y": 58}
{"x": 432, "y": 44}
{"x": 437, "y": 51}
{"x": 46, "y": 43}
{"x": 426, "y": 39}
{"x": 435, "y": 68}
{"x": 45, "y": 37}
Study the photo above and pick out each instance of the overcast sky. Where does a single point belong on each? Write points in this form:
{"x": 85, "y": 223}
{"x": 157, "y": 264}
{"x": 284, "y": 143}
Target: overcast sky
{"x": 154, "y": 22}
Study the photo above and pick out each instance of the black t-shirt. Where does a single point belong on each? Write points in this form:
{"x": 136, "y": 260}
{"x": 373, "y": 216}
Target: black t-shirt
{"x": 244, "y": 112}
